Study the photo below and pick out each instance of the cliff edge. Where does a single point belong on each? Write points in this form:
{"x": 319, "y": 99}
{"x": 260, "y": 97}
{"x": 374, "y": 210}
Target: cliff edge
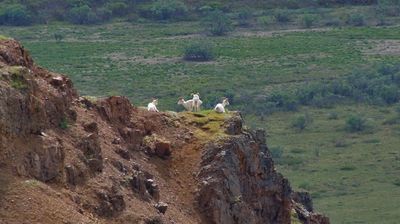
{"x": 71, "y": 159}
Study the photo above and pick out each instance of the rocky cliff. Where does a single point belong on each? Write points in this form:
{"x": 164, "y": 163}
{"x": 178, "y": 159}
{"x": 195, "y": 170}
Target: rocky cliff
{"x": 71, "y": 159}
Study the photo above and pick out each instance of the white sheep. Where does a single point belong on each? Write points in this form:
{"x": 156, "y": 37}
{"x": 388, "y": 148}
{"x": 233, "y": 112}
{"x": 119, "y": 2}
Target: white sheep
{"x": 188, "y": 105}
{"x": 196, "y": 101}
{"x": 152, "y": 106}
{"x": 220, "y": 108}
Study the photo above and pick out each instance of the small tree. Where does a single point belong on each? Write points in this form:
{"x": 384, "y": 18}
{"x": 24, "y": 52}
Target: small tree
{"x": 168, "y": 9}
{"x": 355, "y": 123}
{"x": 199, "y": 52}
{"x": 282, "y": 16}
{"x": 79, "y": 14}
{"x": 15, "y": 15}
{"x": 217, "y": 23}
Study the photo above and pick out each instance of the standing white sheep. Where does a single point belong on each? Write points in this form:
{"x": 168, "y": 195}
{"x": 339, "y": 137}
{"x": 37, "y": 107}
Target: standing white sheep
{"x": 220, "y": 108}
{"x": 196, "y": 101}
{"x": 188, "y": 105}
{"x": 152, "y": 106}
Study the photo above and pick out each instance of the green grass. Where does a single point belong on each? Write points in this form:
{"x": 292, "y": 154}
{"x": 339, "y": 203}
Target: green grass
{"x": 353, "y": 184}
{"x": 352, "y": 176}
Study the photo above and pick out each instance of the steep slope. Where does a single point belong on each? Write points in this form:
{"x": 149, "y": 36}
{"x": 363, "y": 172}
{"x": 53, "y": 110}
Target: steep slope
{"x": 69, "y": 159}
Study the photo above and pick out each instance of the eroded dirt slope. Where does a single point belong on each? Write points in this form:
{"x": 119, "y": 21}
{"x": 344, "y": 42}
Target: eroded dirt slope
{"x": 70, "y": 159}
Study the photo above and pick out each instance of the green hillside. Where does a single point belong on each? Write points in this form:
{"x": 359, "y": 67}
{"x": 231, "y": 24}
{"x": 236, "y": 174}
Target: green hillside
{"x": 328, "y": 95}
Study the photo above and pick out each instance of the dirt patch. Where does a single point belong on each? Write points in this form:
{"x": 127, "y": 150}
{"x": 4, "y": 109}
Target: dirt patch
{"x": 384, "y": 47}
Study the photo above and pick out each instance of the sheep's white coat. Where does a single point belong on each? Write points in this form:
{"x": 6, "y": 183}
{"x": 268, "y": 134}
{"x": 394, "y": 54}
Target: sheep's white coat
{"x": 152, "y": 106}
{"x": 220, "y": 108}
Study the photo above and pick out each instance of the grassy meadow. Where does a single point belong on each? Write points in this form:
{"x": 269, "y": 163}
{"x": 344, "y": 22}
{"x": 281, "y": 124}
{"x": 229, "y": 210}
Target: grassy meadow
{"x": 354, "y": 177}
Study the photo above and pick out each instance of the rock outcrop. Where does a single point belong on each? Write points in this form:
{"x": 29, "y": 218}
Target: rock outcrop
{"x": 72, "y": 159}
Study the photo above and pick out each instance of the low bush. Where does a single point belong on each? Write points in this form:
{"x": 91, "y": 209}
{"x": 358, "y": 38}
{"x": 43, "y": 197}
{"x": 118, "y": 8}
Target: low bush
{"x": 301, "y": 122}
{"x": 356, "y": 20}
{"x": 200, "y": 51}
{"x": 282, "y": 16}
{"x": 15, "y": 15}
{"x": 309, "y": 20}
{"x": 168, "y": 9}
{"x": 355, "y": 123}
{"x": 218, "y": 23}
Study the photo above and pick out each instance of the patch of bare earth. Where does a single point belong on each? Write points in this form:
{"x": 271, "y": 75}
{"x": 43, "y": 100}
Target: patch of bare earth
{"x": 384, "y": 47}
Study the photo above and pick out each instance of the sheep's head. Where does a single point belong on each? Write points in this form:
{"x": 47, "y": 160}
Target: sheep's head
{"x": 155, "y": 101}
{"x": 196, "y": 96}
{"x": 181, "y": 100}
{"x": 225, "y": 101}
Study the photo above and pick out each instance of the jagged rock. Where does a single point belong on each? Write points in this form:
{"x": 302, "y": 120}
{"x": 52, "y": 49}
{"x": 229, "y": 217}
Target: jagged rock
{"x": 239, "y": 185}
{"x": 155, "y": 145}
{"x": 308, "y": 217}
{"x": 116, "y": 141}
{"x": 120, "y": 167}
{"x": 123, "y": 153}
{"x": 91, "y": 127}
{"x": 57, "y": 81}
{"x": 91, "y": 149}
{"x": 303, "y": 198}
{"x": 45, "y": 161}
{"x": 95, "y": 165}
{"x": 152, "y": 189}
{"x": 115, "y": 109}
{"x": 233, "y": 126}
{"x": 74, "y": 175}
{"x": 111, "y": 203}
{"x": 161, "y": 207}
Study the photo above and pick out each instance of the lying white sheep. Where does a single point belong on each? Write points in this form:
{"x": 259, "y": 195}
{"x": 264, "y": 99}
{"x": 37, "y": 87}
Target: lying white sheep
{"x": 152, "y": 106}
{"x": 196, "y": 101}
{"x": 220, "y": 108}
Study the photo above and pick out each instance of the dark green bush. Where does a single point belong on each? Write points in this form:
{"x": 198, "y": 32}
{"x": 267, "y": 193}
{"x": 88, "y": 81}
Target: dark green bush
{"x": 15, "y": 15}
{"x": 356, "y": 20}
{"x": 79, "y": 14}
{"x": 117, "y": 8}
{"x": 198, "y": 52}
{"x": 355, "y": 123}
{"x": 168, "y": 9}
{"x": 282, "y": 16}
{"x": 301, "y": 122}
{"x": 333, "y": 22}
{"x": 244, "y": 16}
{"x": 218, "y": 23}
{"x": 309, "y": 20}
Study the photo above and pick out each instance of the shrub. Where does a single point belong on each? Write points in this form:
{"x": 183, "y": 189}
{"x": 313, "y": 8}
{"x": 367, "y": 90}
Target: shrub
{"x": 308, "y": 20}
{"x": 244, "y": 16}
{"x": 265, "y": 20}
{"x": 63, "y": 123}
{"x": 356, "y": 20}
{"x": 58, "y": 36}
{"x": 198, "y": 52}
{"x": 355, "y": 123}
{"x": 301, "y": 122}
{"x": 217, "y": 23}
{"x": 333, "y": 115}
{"x": 79, "y": 14}
{"x": 117, "y": 8}
{"x": 168, "y": 9}
{"x": 104, "y": 14}
{"x": 15, "y": 15}
{"x": 282, "y": 16}
{"x": 333, "y": 22}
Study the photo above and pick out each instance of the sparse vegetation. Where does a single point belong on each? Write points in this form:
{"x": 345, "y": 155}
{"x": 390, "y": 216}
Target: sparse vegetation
{"x": 355, "y": 123}
{"x": 218, "y": 23}
{"x": 199, "y": 51}
{"x": 64, "y": 123}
